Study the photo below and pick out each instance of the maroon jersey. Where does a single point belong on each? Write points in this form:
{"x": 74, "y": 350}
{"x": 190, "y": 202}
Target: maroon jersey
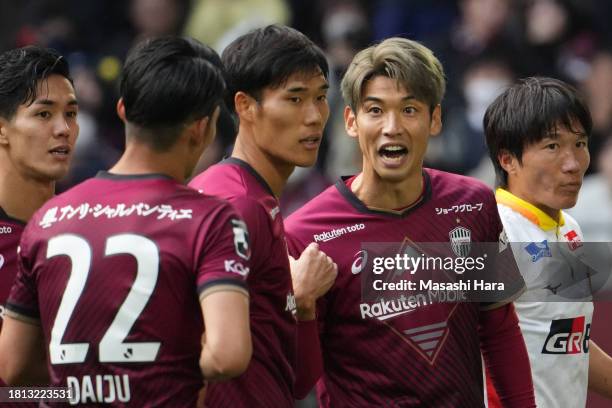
{"x": 114, "y": 270}
{"x": 10, "y": 233}
{"x": 268, "y": 382}
{"x": 396, "y": 353}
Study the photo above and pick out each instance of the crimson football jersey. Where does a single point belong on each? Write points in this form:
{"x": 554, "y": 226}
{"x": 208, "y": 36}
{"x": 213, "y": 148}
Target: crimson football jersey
{"x": 10, "y": 233}
{"x": 268, "y": 381}
{"x": 397, "y": 352}
{"x": 114, "y": 270}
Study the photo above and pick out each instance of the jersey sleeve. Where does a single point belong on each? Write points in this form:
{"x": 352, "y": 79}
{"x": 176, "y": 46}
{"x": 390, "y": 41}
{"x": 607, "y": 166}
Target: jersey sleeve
{"x": 506, "y": 358}
{"x": 309, "y": 356}
{"x": 502, "y": 263}
{"x": 22, "y": 302}
{"x": 223, "y": 259}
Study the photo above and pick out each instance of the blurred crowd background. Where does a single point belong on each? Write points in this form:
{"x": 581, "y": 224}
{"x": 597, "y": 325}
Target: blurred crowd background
{"x": 483, "y": 44}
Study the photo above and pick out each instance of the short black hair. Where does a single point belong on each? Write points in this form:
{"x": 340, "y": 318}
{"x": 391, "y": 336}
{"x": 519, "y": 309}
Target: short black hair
{"x": 21, "y": 70}
{"x": 267, "y": 57}
{"x": 527, "y": 112}
{"x": 167, "y": 82}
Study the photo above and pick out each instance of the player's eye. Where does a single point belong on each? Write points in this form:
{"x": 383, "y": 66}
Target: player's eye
{"x": 71, "y": 114}
{"x": 552, "y": 146}
{"x": 411, "y": 110}
{"x": 295, "y": 99}
{"x": 374, "y": 110}
{"x": 44, "y": 114}
{"x": 322, "y": 97}
{"x": 581, "y": 144}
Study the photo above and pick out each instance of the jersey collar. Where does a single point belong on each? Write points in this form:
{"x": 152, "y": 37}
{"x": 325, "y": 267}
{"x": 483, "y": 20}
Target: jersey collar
{"x": 348, "y": 194}
{"x": 528, "y": 210}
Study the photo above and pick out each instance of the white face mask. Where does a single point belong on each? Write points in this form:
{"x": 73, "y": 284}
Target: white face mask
{"x": 479, "y": 93}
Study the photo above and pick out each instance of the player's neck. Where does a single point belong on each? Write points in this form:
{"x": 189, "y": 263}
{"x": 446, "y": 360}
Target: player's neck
{"x": 375, "y": 192}
{"x": 274, "y": 172}
{"x": 138, "y": 158}
{"x": 20, "y": 197}
{"x": 515, "y": 190}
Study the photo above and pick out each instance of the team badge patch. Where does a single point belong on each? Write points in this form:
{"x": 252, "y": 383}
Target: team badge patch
{"x": 538, "y": 250}
{"x": 241, "y": 239}
{"x": 461, "y": 239}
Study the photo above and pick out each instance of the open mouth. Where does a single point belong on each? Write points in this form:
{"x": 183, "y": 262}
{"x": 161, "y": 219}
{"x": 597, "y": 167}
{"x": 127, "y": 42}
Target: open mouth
{"x": 311, "y": 142}
{"x": 393, "y": 152}
{"x": 60, "y": 151}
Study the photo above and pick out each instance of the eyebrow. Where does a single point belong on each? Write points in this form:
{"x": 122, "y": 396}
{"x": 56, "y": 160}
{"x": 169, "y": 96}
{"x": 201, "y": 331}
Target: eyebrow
{"x": 375, "y": 99}
{"x": 323, "y": 87}
{"x": 50, "y": 102}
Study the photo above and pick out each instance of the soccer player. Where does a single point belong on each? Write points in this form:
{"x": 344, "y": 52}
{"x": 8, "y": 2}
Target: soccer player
{"x": 38, "y": 130}
{"x": 119, "y": 275}
{"x": 537, "y": 133}
{"x": 404, "y": 353}
{"x": 277, "y": 80}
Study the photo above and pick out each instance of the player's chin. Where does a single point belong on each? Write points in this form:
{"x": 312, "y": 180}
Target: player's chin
{"x": 305, "y": 159}
{"x": 56, "y": 172}
{"x": 567, "y": 201}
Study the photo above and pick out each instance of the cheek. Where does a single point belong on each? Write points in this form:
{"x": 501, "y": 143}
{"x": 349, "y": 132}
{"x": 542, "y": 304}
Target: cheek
{"x": 543, "y": 180}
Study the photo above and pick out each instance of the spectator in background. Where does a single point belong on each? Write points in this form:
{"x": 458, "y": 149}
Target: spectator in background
{"x": 597, "y": 87}
{"x": 219, "y": 22}
{"x": 594, "y": 207}
{"x": 554, "y": 39}
{"x": 482, "y": 27}
{"x": 461, "y": 147}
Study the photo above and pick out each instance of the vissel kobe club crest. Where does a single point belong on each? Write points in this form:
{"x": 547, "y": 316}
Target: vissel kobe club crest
{"x": 461, "y": 239}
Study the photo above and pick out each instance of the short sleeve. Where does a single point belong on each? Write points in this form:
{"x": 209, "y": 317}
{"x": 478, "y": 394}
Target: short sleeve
{"x": 223, "y": 261}
{"x": 22, "y": 302}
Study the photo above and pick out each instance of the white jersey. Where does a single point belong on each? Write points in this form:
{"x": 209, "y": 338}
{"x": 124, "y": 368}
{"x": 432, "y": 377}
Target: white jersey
{"x": 556, "y": 333}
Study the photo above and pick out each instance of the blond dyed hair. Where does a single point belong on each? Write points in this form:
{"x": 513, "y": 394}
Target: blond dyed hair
{"x": 410, "y": 63}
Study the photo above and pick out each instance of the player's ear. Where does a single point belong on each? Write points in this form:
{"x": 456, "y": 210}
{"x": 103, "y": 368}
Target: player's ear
{"x": 508, "y": 161}
{"x": 204, "y": 130}
{"x": 4, "y": 141}
{"x": 121, "y": 109}
{"x": 350, "y": 122}
{"x": 245, "y": 105}
{"x": 435, "y": 126}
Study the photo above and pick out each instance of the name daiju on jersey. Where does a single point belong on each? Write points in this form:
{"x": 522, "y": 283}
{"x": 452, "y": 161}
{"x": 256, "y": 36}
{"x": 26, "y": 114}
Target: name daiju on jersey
{"x": 99, "y": 389}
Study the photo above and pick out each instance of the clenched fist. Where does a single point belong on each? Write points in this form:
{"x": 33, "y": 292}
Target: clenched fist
{"x": 313, "y": 273}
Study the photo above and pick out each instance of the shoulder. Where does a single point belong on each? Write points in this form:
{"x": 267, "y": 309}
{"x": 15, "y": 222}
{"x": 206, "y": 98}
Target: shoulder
{"x": 322, "y": 208}
{"x": 571, "y": 223}
{"x": 444, "y": 183}
{"x": 222, "y": 179}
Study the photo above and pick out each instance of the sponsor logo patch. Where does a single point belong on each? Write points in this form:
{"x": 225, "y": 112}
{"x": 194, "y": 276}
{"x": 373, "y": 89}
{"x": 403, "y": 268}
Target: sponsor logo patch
{"x": 573, "y": 240}
{"x": 538, "y": 250}
{"x": 337, "y": 232}
{"x": 568, "y": 336}
{"x": 236, "y": 267}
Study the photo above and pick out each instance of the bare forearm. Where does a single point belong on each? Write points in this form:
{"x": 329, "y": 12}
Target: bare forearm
{"x": 600, "y": 371}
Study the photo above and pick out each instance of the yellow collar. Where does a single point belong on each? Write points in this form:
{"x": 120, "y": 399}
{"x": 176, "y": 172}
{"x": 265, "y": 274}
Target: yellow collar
{"x": 528, "y": 210}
